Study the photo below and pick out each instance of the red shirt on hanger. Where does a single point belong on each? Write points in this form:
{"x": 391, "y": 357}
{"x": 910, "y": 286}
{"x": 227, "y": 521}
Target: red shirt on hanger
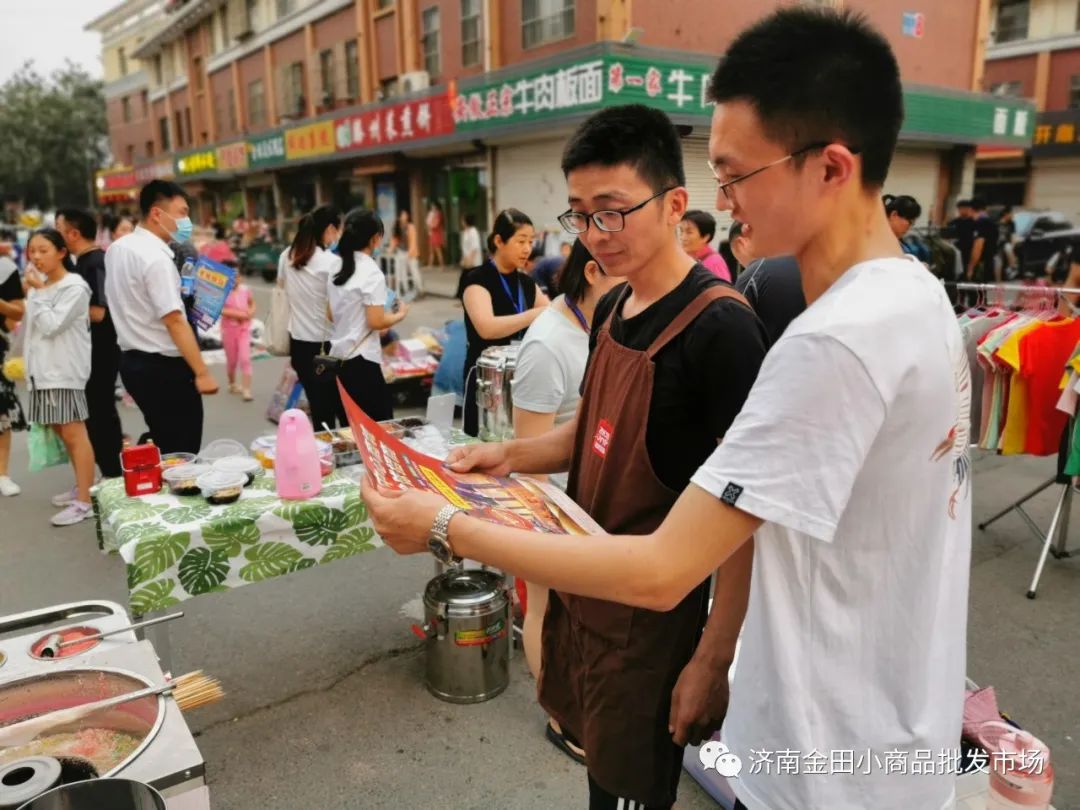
{"x": 1043, "y": 355}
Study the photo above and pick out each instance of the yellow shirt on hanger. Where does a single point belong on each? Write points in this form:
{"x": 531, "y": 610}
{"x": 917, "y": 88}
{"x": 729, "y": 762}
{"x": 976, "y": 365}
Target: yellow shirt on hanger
{"x": 1016, "y": 417}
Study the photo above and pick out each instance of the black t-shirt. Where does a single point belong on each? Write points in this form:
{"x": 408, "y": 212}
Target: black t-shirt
{"x": 702, "y": 377}
{"x": 962, "y": 232}
{"x": 487, "y": 277}
{"x": 774, "y": 289}
{"x": 91, "y": 266}
{"x": 988, "y": 230}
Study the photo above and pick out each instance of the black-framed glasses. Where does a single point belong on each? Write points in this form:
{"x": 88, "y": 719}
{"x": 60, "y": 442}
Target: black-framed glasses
{"x": 725, "y": 185}
{"x": 610, "y": 221}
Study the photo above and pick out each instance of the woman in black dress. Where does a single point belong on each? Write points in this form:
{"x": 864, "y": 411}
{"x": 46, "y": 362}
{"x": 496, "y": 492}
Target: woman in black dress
{"x": 11, "y": 413}
{"x": 500, "y": 300}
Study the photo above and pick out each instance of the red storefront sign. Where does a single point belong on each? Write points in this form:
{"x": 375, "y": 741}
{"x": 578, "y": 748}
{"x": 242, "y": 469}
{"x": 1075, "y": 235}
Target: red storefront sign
{"x": 232, "y": 157}
{"x": 116, "y": 181}
{"x": 403, "y": 122}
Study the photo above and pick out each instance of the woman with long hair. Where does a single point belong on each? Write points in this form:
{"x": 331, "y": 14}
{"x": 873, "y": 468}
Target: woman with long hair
{"x": 305, "y": 269}
{"x": 501, "y": 301}
{"x": 357, "y": 295}
{"x": 436, "y": 230}
{"x": 58, "y": 360}
{"x": 547, "y": 381}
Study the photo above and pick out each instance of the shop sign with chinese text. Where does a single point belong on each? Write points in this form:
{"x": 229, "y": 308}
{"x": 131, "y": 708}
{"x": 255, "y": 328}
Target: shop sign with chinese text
{"x": 268, "y": 150}
{"x": 1057, "y": 134}
{"x": 405, "y": 121}
{"x": 196, "y": 163}
{"x": 232, "y": 157}
{"x": 311, "y": 140}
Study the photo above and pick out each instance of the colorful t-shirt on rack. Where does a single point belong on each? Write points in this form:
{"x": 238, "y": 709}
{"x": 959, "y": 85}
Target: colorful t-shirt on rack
{"x": 1014, "y": 434}
{"x": 996, "y": 379}
{"x": 1043, "y": 353}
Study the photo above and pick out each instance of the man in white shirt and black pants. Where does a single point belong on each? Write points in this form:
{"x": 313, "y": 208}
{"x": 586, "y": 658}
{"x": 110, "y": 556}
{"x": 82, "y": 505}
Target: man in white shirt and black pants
{"x": 161, "y": 365}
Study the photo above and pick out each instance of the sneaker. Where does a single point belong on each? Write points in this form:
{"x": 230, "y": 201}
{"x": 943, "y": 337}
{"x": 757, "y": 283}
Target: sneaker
{"x": 64, "y": 498}
{"x": 76, "y": 512}
{"x": 234, "y": 388}
{"x": 248, "y": 397}
{"x": 8, "y": 488}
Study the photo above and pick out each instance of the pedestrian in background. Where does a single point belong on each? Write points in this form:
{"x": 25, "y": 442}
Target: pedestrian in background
{"x": 436, "y": 231}
{"x": 218, "y": 249}
{"x": 405, "y": 240}
{"x": 357, "y": 296}
{"x": 472, "y": 251}
{"x": 103, "y": 424}
{"x": 236, "y": 320}
{"x": 696, "y": 232}
{"x": 304, "y": 270}
{"x": 501, "y": 301}
{"x": 124, "y": 226}
{"x": 58, "y": 357}
{"x": 160, "y": 362}
{"x": 11, "y": 412}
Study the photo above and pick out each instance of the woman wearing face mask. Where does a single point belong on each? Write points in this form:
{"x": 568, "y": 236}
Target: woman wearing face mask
{"x": 305, "y": 270}
{"x": 357, "y": 294}
{"x": 58, "y": 361}
{"x": 500, "y": 300}
{"x": 547, "y": 381}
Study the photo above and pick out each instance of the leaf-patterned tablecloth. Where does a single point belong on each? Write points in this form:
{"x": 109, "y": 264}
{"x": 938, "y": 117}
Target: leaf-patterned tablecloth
{"x": 179, "y": 547}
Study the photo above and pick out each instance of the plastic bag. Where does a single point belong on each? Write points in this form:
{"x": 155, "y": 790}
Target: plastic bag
{"x": 45, "y": 447}
{"x": 277, "y": 325}
{"x": 288, "y": 394}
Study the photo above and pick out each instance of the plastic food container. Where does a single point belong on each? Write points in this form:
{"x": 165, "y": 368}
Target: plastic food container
{"x": 248, "y": 466}
{"x": 183, "y": 479}
{"x": 263, "y": 449}
{"x": 175, "y": 459}
{"x": 219, "y": 487}
{"x": 345, "y": 451}
{"x": 220, "y": 448}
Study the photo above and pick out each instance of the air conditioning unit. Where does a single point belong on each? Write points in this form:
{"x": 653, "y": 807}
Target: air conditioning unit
{"x": 414, "y": 82}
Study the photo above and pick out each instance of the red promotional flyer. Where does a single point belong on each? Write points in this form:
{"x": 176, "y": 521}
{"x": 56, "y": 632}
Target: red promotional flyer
{"x": 522, "y": 503}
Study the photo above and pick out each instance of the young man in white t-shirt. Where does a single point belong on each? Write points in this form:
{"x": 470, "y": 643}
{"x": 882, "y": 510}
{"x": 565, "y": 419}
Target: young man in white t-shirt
{"x": 847, "y": 462}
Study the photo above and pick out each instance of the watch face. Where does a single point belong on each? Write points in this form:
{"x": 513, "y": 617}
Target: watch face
{"x": 441, "y": 550}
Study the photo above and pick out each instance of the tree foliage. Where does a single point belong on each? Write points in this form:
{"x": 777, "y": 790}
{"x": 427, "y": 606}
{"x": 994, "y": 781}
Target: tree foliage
{"x": 53, "y": 135}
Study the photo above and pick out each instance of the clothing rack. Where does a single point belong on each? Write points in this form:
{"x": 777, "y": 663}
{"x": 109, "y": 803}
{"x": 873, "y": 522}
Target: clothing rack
{"x": 1055, "y": 537}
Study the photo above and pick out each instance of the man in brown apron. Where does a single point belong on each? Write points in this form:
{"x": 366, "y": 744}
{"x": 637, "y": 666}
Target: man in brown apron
{"x": 675, "y": 352}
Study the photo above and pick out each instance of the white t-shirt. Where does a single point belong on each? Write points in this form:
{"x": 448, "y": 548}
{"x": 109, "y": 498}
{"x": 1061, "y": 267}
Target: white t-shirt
{"x": 852, "y": 446}
{"x": 471, "y": 255}
{"x": 550, "y": 365}
{"x": 142, "y": 286}
{"x": 306, "y": 290}
{"x": 366, "y": 288}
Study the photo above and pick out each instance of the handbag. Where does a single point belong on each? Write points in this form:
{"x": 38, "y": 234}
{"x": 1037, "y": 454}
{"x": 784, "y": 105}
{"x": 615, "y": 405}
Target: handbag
{"x": 277, "y": 323}
{"x": 328, "y": 366}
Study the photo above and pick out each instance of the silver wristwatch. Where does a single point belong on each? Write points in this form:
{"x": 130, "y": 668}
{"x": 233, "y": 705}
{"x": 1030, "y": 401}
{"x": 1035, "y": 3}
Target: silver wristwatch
{"x": 438, "y": 540}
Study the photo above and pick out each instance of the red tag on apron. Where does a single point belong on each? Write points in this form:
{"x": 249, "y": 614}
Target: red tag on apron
{"x": 604, "y": 432}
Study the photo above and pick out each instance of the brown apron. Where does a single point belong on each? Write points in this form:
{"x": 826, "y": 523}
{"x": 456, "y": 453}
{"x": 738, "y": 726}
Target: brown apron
{"x": 609, "y": 669}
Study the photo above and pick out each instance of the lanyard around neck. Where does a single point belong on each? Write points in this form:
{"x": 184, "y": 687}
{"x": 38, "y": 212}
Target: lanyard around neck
{"x": 578, "y": 314}
{"x": 519, "y": 304}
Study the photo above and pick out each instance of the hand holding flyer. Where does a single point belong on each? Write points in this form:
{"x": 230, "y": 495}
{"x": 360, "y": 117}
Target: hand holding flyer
{"x": 213, "y": 283}
{"x": 522, "y": 503}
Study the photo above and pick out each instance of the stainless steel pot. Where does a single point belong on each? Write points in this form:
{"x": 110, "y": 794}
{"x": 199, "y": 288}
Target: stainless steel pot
{"x": 99, "y": 794}
{"x": 468, "y": 636}
{"x": 494, "y": 400}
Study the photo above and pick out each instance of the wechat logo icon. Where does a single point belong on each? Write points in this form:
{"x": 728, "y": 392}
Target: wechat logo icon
{"x": 714, "y": 755}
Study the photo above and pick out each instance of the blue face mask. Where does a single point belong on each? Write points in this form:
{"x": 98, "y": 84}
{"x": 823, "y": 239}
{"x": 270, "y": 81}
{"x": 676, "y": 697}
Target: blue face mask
{"x": 332, "y": 247}
{"x": 183, "y": 230}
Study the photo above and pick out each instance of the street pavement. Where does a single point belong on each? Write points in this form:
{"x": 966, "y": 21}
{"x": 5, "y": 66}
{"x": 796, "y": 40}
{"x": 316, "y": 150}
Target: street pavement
{"x": 326, "y": 706}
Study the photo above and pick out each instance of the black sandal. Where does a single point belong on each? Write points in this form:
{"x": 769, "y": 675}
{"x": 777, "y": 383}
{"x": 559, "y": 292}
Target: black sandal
{"x": 565, "y": 743}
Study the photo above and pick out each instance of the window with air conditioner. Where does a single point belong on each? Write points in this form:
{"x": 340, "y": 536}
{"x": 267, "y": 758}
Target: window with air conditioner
{"x": 472, "y": 32}
{"x": 256, "y": 98}
{"x": 1012, "y": 20}
{"x": 1007, "y": 89}
{"x": 388, "y": 88}
{"x": 352, "y": 69}
{"x": 326, "y": 78}
{"x": 545, "y": 21}
{"x": 430, "y": 40}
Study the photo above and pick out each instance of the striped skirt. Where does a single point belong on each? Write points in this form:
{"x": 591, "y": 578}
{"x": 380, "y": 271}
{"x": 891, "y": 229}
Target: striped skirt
{"x": 57, "y": 406}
